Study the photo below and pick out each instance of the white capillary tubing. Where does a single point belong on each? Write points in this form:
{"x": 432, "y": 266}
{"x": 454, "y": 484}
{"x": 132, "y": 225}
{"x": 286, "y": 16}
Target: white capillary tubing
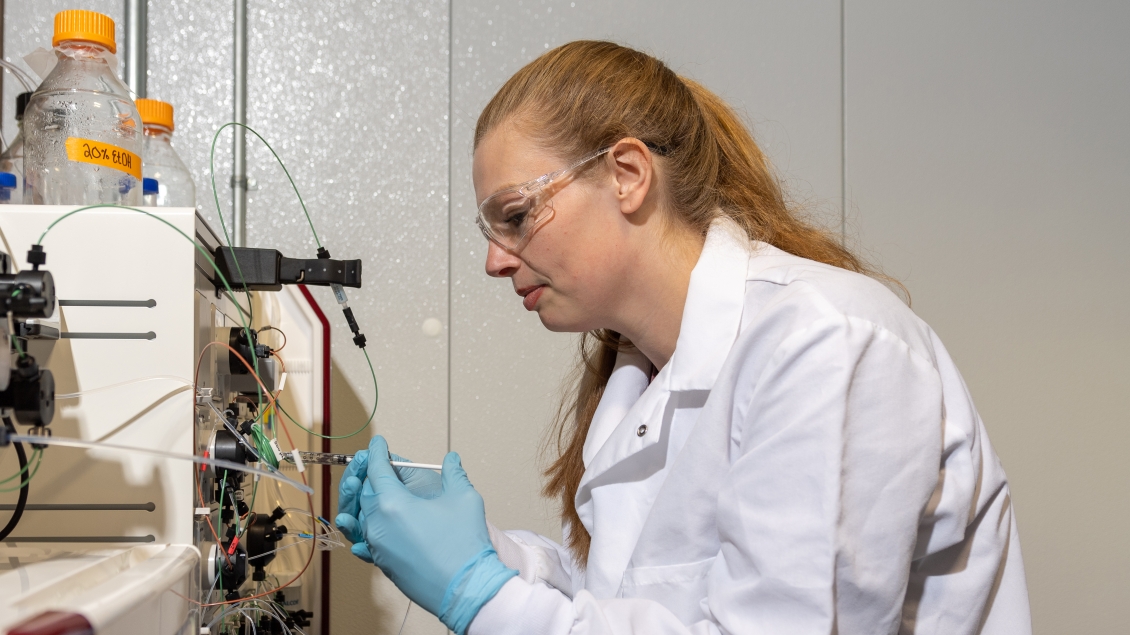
{"x": 422, "y": 466}
{"x": 91, "y": 445}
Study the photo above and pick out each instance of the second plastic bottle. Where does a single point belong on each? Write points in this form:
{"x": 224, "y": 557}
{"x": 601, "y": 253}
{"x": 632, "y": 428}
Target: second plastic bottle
{"x": 174, "y": 182}
{"x": 82, "y": 132}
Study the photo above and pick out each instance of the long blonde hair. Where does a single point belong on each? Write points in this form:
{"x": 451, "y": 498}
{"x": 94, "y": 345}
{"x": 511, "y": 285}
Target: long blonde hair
{"x": 586, "y": 95}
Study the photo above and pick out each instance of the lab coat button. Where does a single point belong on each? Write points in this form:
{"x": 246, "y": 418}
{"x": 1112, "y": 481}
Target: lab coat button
{"x": 642, "y": 430}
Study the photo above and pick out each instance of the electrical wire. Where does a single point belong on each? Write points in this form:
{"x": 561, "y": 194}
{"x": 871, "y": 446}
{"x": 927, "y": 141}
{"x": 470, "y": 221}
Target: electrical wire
{"x": 263, "y": 444}
{"x": 37, "y": 456}
{"x": 372, "y": 414}
{"x": 280, "y": 332}
{"x": 216, "y": 195}
{"x": 21, "y": 504}
{"x": 215, "y": 191}
{"x": 23, "y": 469}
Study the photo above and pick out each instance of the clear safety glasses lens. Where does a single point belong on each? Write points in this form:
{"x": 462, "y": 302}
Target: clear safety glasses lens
{"x": 509, "y": 216}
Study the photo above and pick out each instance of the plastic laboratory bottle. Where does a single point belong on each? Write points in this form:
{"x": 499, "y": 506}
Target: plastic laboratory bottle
{"x": 7, "y": 186}
{"x": 82, "y": 133}
{"x": 149, "y": 189}
{"x": 12, "y": 160}
{"x": 160, "y": 161}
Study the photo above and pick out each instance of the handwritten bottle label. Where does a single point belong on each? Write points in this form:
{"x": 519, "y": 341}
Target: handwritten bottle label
{"x": 104, "y": 154}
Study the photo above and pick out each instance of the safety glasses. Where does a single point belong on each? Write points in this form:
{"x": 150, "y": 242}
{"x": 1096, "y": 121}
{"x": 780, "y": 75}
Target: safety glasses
{"x": 509, "y": 217}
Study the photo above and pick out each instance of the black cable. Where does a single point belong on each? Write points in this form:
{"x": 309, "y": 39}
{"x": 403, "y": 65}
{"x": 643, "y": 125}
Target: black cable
{"x": 22, "y": 503}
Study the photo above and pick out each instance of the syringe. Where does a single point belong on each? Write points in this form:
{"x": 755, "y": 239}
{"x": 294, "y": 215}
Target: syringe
{"x": 327, "y": 458}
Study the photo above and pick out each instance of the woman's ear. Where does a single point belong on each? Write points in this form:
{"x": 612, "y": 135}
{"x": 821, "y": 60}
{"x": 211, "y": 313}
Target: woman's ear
{"x": 632, "y": 171}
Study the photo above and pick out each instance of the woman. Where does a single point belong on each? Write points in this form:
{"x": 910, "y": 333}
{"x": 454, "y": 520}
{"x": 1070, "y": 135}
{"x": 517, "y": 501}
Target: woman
{"x": 764, "y": 439}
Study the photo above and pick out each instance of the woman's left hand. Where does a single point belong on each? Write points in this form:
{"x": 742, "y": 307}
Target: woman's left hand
{"x": 350, "y": 519}
{"x": 436, "y": 550}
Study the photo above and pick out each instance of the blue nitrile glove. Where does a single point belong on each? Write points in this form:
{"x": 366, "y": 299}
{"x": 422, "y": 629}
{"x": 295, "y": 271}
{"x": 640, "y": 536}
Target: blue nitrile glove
{"x": 436, "y": 550}
{"x": 350, "y": 518}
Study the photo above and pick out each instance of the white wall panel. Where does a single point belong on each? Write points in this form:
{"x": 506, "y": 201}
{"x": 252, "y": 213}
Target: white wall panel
{"x": 988, "y": 148}
{"x": 777, "y": 63}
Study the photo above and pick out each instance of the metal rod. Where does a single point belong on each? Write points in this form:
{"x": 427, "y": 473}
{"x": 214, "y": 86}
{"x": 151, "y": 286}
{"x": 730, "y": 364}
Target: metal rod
{"x": 137, "y": 47}
{"x": 148, "y": 304}
{"x": 108, "y": 336}
{"x": 84, "y": 507}
{"x": 149, "y": 538}
{"x": 1, "y": 72}
{"x": 239, "y": 115}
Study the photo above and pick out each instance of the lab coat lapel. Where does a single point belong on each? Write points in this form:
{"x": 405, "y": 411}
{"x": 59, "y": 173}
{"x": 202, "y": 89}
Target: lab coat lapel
{"x": 620, "y": 455}
{"x": 711, "y": 319}
{"x": 627, "y": 383}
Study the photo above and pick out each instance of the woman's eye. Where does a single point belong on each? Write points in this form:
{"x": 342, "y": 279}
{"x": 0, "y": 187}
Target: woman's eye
{"x": 516, "y": 216}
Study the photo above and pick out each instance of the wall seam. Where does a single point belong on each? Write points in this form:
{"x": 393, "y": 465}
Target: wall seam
{"x": 2, "y": 9}
{"x": 843, "y": 132}
{"x": 450, "y": 204}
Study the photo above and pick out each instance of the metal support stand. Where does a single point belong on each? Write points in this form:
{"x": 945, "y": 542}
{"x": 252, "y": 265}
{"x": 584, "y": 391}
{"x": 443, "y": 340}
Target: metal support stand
{"x": 239, "y": 115}
{"x": 136, "y": 48}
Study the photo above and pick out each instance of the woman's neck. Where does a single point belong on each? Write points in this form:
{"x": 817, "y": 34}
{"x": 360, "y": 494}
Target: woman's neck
{"x": 652, "y": 311}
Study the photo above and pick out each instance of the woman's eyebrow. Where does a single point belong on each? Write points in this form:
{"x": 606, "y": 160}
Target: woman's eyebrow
{"x": 505, "y": 187}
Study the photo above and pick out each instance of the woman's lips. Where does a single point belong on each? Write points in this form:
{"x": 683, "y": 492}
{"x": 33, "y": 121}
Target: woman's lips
{"x": 530, "y": 298}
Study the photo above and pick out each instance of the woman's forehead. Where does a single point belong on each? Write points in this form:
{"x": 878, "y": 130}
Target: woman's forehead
{"x": 504, "y": 158}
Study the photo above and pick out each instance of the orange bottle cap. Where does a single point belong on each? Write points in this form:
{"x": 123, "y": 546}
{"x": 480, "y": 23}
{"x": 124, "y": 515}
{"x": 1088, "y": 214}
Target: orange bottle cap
{"x": 84, "y": 26}
{"x": 157, "y": 113}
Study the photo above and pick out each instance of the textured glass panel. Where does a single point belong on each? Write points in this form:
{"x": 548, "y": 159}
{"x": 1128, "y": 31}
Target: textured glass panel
{"x": 352, "y": 95}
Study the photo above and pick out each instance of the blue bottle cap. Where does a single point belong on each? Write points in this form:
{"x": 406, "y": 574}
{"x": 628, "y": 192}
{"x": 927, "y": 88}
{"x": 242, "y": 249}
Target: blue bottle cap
{"x": 7, "y": 179}
{"x": 148, "y": 186}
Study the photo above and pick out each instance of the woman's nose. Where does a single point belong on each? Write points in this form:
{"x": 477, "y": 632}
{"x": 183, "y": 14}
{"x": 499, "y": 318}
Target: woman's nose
{"x": 500, "y": 262}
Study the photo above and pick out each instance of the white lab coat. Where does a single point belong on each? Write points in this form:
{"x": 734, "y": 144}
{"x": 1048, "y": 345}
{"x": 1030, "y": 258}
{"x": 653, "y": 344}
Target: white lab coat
{"x": 809, "y": 462}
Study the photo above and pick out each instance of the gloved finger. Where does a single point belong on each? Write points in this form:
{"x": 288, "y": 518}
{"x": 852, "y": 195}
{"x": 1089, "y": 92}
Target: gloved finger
{"x": 361, "y": 550}
{"x": 454, "y": 476}
{"x": 350, "y": 527}
{"x": 420, "y": 482}
{"x": 403, "y": 473}
{"x": 382, "y": 478}
{"x": 357, "y": 466}
{"x": 347, "y": 492}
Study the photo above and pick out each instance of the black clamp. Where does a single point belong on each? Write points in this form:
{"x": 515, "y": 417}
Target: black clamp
{"x": 358, "y": 336}
{"x": 268, "y": 270}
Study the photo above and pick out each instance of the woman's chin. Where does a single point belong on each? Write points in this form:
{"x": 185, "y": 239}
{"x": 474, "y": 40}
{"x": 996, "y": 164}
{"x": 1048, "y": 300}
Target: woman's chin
{"x": 554, "y": 321}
